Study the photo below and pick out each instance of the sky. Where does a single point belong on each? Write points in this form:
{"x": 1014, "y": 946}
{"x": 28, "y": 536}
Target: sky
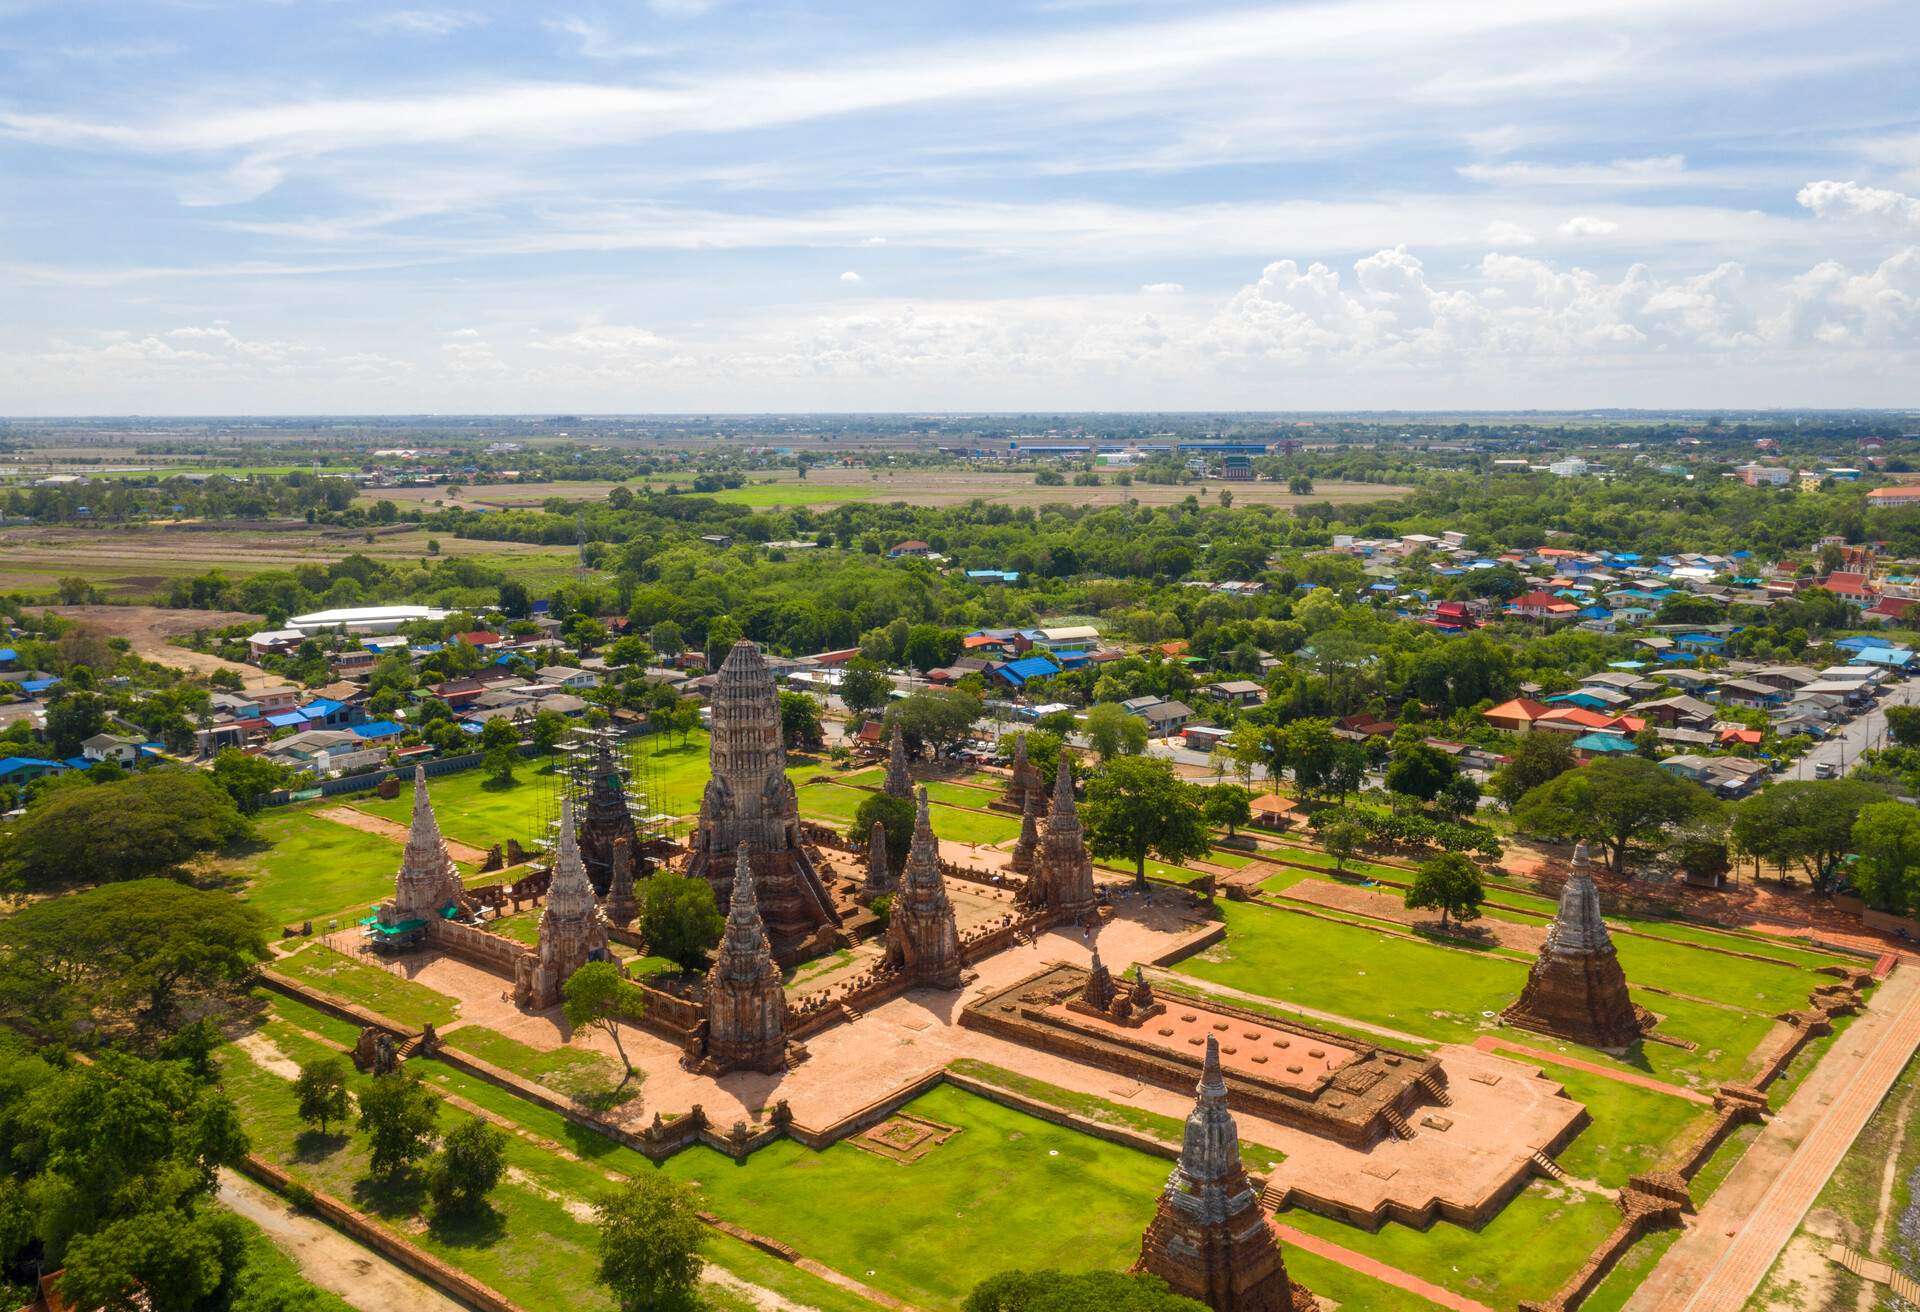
{"x": 315, "y": 206}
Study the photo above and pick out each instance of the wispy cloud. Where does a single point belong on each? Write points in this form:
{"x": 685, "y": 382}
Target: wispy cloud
{"x": 423, "y": 22}
{"x": 594, "y": 41}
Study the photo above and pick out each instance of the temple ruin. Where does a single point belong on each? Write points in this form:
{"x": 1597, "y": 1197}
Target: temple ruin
{"x": 899, "y": 781}
{"x": 622, "y": 902}
{"x": 923, "y": 939}
{"x": 1061, "y": 881}
{"x": 428, "y": 886}
{"x": 1209, "y": 1239}
{"x": 879, "y": 880}
{"x": 746, "y": 1005}
{"x": 1576, "y": 989}
{"x": 749, "y": 802}
{"x": 1023, "y": 782}
{"x": 1020, "y": 860}
{"x": 606, "y": 820}
{"x": 572, "y": 930}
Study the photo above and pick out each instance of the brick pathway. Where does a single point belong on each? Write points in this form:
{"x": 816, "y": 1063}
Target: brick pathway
{"x": 1366, "y": 1266}
{"x": 1494, "y": 1043}
{"x": 1721, "y": 1260}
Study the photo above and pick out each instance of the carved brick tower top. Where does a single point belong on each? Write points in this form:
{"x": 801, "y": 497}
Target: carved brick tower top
{"x": 428, "y": 879}
{"x": 1025, "y": 783}
{"x": 1209, "y": 1239}
{"x": 899, "y": 781}
{"x": 1062, "y": 879}
{"x": 607, "y": 820}
{"x": 746, "y": 1005}
{"x": 923, "y": 939}
{"x": 572, "y": 930}
{"x": 749, "y": 800}
{"x": 1027, "y": 846}
{"x": 1576, "y": 988}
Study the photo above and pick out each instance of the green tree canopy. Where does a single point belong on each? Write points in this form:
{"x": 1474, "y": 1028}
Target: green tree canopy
{"x": 321, "y": 1091}
{"x": 471, "y": 1160}
{"x": 940, "y": 718}
{"x": 800, "y": 721}
{"x": 1136, "y": 806}
{"x": 1418, "y": 770}
{"x": 1615, "y": 801}
{"x": 399, "y": 1114}
{"x": 1803, "y": 822}
{"x": 1887, "y": 837}
{"x": 1080, "y": 1291}
{"x": 650, "y": 1240}
{"x": 895, "y": 814}
{"x": 1532, "y": 760}
{"x": 149, "y": 824}
{"x": 598, "y": 996}
{"x": 248, "y": 778}
{"x": 680, "y": 919}
{"x": 1449, "y": 884}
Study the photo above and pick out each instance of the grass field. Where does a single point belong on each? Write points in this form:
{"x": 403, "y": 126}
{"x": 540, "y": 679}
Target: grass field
{"x": 470, "y": 807}
{"x": 371, "y": 987}
{"x": 577, "y": 1072}
{"x": 309, "y": 868}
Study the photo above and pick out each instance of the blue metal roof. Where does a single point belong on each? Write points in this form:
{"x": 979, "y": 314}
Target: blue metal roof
{"x": 1028, "y": 667}
{"x": 378, "y": 729}
{"x": 9, "y": 654}
{"x": 287, "y": 720}
{"x": 1602, "y": 742}
{"x": 15, "y": 764}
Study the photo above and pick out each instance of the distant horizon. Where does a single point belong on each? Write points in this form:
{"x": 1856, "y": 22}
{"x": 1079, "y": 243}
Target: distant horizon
{"x": 1305, "y": 206}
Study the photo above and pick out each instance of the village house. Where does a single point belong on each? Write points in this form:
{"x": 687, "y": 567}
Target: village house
{"x": 1239, "y": 692}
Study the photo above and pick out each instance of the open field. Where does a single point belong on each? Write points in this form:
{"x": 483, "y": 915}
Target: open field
{"x": 140, "y": 560}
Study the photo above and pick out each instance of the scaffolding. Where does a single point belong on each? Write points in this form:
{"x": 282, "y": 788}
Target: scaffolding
{"x": 580, "y": 763}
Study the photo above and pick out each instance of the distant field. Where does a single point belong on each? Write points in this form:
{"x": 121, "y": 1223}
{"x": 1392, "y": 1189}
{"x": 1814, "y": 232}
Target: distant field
{"x": 135, "y": 562}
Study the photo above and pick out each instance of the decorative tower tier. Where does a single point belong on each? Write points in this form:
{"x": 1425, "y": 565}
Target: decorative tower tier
{"x": 899, "y": 782}
{"x": 607, "y": 820}
{"x": 1062, "y": 879}
{"x": 428, "y": 882}
{"x": 923, "y": 939}
{"x": 750, "y": 801}
{"x": 1209, "y": 1239}
{"x": 572, "y": 930}
{"x": 1025, "y": 783}
{"x": 746, "y": 1006}
{"x": 1576, "y": 989}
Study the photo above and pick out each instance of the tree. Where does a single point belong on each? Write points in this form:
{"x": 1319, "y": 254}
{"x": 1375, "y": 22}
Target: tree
{"x": 722, "y": 633}
{"x": 135, "y": 951}
{"x": 72, "y": 719}
{"x": 929, "y": 647}
{"x": 864, "y": 687}
{"x": 598, "y": 996}
{"x": 1342, "y": 839}
{"x": 1804, "y": 822}
{"x": 1418, "y": 770}
{"x": 650, "y": 1238}
{"x": 1461, "y": 796}
{"x": 684, "y": 719}
{"x": 513, "y": 600}
{"x": 679, "y": 918}
{"x": 1079, "y": 1291}
{"x": 1229, "y": 805}
{"x": 247, "y": 778}
{"x": 1615, "y": 801}
{"x": 667, "y": 638}
{"x": 149, "y": 824}
{"x": 1112, "y": 731}
{"x": 470, "y": 1163}
{"x": 895, "y": 814}
{"x": 1887, "y": 837}
{"x": 548, "y": 728}
{"x": 1449, "y": 884}
{"x": 941, "y": 718}
{"x": 1903, "y": 725}
{"x": 800, "y": 721}
{"x": 1246, "y": 747}
{"x": 321, "y": 1090}
{"x": 1533, "y": 759}
{"x": 1137, "y": 805}
{"x": 501, "y": 743}
{"x": 398, "y": 1114}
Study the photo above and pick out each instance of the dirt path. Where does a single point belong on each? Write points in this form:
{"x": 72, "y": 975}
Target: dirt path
{"x": 353, "y": 818}
{"x": 1391, "y": 907}
{"x": 148, "y": 628}
{"x": 328, "y": 1258}
{"x": 1727, "y": 1251}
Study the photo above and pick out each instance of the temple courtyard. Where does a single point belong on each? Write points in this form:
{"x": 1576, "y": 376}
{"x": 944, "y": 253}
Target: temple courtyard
{"x": 1531, "y": 1115}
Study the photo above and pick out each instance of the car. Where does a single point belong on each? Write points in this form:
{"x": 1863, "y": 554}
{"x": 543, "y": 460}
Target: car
{"x": 1825, "y": 770}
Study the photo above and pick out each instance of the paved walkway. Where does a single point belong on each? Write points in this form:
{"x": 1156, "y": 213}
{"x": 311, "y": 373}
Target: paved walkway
{"x": 1721, "y": 1260}
{"x": 1494, "y": 1043}
{"x": 1366, "y": 1266}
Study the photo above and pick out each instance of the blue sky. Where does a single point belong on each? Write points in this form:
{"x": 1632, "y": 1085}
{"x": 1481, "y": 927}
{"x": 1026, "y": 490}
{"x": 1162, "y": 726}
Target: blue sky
{"x": 214, "y": 207}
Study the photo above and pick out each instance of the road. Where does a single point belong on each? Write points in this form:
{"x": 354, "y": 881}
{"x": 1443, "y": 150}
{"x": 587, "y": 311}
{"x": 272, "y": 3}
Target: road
{"x": 1869, "y": 730}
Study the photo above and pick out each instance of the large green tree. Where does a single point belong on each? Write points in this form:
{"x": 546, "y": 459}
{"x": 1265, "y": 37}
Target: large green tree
{"x": 1532, "y": 760}
{"x": 896, "y": 816}
{"x": 149, "y": 824}
{"x": 320, "y": 1090}
{"x": 1420, "y": 771}
{"x": 680, "y": 919}
{"x": 1078, "y": 1291}
{"x": 471, "y": 1160}
{"x": 864, "y": 686}
{"x": 1614, "y": 801}
{"x": 1886, "y": 835}
{"x": 399, "y": 1114}
{"x": 135, "y": 952}
{"x": 1803, "y": 822}
{"x": 248, "y": 778}
{"x": 650, "y": 1241}
{"x": 1111, "y": 731}
{"x": 1137, "y": 806}
{"x": 941, "y": 718}
{"x": 598, "y": 996}
{"x": 1449, "y": 884}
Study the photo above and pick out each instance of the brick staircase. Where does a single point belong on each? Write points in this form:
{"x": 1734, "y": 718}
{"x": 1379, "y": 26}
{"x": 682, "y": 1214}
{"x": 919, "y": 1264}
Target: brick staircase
{"x": 1548, "y": 1167}
{"x": 1903, "y": 1285}
{"x": 1401, "y": 1127}
{"x": 1434, "y": 1089}
{"x": 407, "y": 1049}
{"x": 851, "y": 1012}
{"x": 1274, "y": 1198}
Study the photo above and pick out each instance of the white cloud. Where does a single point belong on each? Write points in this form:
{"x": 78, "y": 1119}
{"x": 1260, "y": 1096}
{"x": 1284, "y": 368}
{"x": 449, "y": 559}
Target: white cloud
{"x": 1658, "y": 170}
{"x": 422, "y": 22}
{"x": 1502, "y": 233}
{"x": 1586, "y": 225}
{"x": 1162, "y": 289}
{"x": 1830, "y": 305}
{"x": 851, "y": 276}
{"x": 1851, "y": 200}
{"x": 594, "y": 41}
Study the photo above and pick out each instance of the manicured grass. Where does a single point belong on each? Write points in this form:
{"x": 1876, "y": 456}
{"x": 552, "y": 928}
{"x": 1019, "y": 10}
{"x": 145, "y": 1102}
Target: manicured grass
{"x": 1258, "y": 1157}
{"x": 1007, "y": 1191}
{"x": 577, "y": 1072}
{"x": 1349, "y": 1289}
{"x": 379, "y": 990}
{"x": 308, "y": 1018}
{"x": 312, "y": 869}
{"x": 1631, "y": 1129}
{"x": 471, "y": 807}
{"x": 833, "y": 804}
{"x": 799, "y": 493}
{"x": 1409, "y": 984}
{"x": 1612, "y": 1293}
{"x": 1500, "y": 1264}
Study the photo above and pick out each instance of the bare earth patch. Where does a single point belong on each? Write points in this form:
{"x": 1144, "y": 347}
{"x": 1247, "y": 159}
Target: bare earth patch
{"x": 267, "y": 1055}
{"x": 393, "y": 829}
{"x": 1389, "y": 906}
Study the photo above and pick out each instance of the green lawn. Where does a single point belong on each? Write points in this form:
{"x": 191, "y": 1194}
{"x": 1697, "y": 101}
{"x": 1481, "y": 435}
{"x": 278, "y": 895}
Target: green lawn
{"x": 1007, "y": 1191}
{"x": 471, "y": 808}
{"x": 1409, "y": 984}
{"x": 308, "y": 1018}
{"x": 1631, "y": 1130}
{"x": 313, "y": 869}
{"x": 1500, "y": 1264}
{"x": 1349, "y": 1289}
{"x": 370, "y": 986}
{"x": 836, "y": 805}
{"x": 576, "y": 1072}
{"x": 798, "y": 493}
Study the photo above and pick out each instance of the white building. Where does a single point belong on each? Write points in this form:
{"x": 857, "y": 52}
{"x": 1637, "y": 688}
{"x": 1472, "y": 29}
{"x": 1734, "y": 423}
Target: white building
{"x": 365, "y": 619}
{"x": 1571, "y": 467}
